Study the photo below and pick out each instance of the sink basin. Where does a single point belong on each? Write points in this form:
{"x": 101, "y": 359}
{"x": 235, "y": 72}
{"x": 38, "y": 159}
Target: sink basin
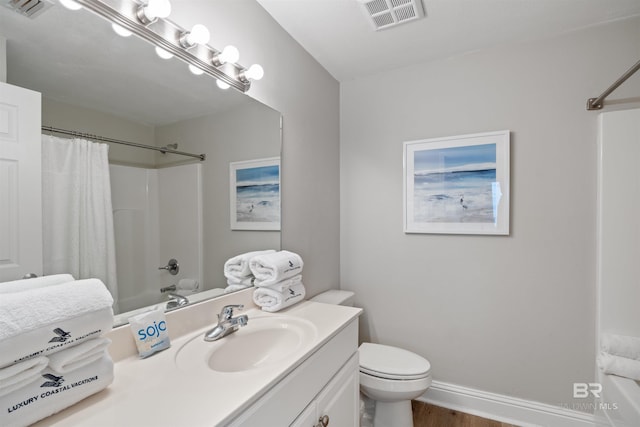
{"x": 265, "y": 341}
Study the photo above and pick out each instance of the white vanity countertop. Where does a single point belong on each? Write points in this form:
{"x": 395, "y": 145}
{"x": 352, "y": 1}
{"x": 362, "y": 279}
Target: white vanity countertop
{"x": 154, "y": 392}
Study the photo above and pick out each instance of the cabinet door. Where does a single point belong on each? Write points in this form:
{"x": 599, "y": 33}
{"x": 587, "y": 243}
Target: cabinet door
{"x": 20, "y": 183}
{"x": 308, "y": 417}
{"x": 339, "y": 400}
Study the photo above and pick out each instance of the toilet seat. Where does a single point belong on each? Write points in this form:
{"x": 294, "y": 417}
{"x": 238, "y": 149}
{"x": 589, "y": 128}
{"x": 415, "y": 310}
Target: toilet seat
{"x": 392, "y": 363}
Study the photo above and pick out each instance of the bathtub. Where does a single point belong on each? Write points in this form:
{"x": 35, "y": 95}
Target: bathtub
{"x": 619, "y": 405}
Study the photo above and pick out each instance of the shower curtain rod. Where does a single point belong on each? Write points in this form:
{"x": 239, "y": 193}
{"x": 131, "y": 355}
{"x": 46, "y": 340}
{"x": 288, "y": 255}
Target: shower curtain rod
{"x": 163, "y": 150}
{"x": 596, "y": 103}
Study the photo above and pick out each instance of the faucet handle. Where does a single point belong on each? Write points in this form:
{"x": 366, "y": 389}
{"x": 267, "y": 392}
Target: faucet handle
{"x": 227, "y": 311}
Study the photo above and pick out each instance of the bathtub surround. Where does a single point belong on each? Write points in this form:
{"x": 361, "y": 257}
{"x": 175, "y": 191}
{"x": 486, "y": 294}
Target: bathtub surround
{"x": 486, "y": 310}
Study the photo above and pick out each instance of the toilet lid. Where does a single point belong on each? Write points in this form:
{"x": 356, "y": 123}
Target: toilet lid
{"x": 391, "y": 362}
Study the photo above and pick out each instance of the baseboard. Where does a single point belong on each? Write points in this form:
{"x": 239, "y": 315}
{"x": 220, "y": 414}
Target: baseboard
{"x": 503, "y": 408}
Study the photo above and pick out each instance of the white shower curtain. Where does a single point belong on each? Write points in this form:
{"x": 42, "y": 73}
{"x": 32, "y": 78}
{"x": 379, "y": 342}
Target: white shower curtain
{"x": 78, "y": 235}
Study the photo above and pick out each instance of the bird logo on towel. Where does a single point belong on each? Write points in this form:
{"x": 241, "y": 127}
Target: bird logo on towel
{"x": 55, "y": 381}
{"x": 62, "y": 335}
{"x": 290, "y": 263}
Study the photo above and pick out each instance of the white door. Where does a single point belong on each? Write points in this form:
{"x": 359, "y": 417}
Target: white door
{"x": 20, "y": 183}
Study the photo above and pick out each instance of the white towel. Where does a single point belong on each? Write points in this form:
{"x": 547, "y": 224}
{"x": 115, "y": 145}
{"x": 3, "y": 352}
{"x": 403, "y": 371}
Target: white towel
{"x": 16, "y": 376}
{"x": 620, "y": 345}
{"x": 53, "y": 392}
{"x": 620, "y": 366}
{"x": 272, "y": 300}
{"x": 45, "y": 320}
{"x": 283, "y": 285}
{"x": 238, "y": 266}
{"x": 36, "y": 282}
{"x": 79, "y": 355}
{"x": 273, "y": 268}
{"x": 244, "y": 281}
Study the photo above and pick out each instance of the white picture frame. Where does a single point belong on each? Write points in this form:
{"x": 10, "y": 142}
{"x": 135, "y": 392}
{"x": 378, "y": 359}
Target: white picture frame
{"x": 457, "y": 184}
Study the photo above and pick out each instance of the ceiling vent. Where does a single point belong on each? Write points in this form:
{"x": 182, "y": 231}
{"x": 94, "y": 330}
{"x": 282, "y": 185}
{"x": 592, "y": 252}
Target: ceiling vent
{"x": 388, "y": 13}
{"x": 28, "y": 8}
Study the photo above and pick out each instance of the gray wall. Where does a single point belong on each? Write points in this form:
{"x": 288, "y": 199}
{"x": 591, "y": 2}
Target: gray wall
{"x": 3, "y": 59}
{"x": 308, "y": 97}
{"x": 512, "y": 315}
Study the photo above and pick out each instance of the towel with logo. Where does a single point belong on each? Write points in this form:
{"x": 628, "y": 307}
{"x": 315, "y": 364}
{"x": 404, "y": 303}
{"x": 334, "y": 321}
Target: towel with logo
{"x": 45, "y": 320}
{"x": 52, "y": 392}
{"x": 273, "y": 268}
{"x": 276, "y": 297}
{"x": 16, "y": 376}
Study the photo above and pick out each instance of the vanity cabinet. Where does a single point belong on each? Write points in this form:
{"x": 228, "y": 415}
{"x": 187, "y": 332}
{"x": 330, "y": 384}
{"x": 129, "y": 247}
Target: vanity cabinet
{"x": 326, "y": 383}
{"x": 335, "y": 404}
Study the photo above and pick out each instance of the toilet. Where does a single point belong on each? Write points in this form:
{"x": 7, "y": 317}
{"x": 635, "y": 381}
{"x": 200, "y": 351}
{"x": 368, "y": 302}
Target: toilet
{"x": 390, "y": 376}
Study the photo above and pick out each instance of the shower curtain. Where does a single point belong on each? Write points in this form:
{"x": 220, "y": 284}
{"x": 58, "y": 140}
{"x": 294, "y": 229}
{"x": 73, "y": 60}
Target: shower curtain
{"x": 78, "y": 235}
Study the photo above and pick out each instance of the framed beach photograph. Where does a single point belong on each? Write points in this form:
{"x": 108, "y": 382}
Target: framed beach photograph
{"x": 457, "y": 185}
{"x": 255, "y": 194}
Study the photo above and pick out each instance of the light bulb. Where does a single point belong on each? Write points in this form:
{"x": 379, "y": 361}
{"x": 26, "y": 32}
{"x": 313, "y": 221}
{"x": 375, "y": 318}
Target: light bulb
{"x": 163, "y": 53}
{"x": 222, "y": 85}
{"x": 158, "y": 9}
{"x": 71, "y": 5}
{"x": 199, "y": 34}
{"x": 121, "y": 31}
{"x": 195, "y": 70}
{"x": 229, "y": 54}
{"x": 254, "y": 72}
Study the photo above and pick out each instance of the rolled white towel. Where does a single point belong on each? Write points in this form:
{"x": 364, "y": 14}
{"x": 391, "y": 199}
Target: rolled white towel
{"x": 79, "y": 355}
{"x": 282, "y": 285}
{"x": 620, "y": 345}
{"x": 18, "y": 375}
{"x": 52, "y": 392}
{"x": 273, "y": 268}
{"x": 36, "y": 282}
{"x": 272, "y": 300}
{"x": 244, "y": 281}
{"x": 620, "y": 366}
{"x": 46, "y": 320}
{"x": 238, "y": 266}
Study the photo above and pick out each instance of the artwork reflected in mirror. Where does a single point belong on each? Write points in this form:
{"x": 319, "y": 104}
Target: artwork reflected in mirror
{"x": 164, "y": 206}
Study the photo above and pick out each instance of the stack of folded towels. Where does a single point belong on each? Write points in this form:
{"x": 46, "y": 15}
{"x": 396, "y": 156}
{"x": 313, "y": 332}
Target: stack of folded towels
{"x": 278, "y": 280}
{"x": 237, "y": 271}
{"x": 52, "y": 353}
{"x": 620, "y": 356}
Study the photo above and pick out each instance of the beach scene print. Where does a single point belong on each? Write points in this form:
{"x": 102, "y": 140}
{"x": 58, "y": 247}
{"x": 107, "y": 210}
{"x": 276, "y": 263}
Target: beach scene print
{"x": 456, "y": 185}
{"x": 258, "y": 194}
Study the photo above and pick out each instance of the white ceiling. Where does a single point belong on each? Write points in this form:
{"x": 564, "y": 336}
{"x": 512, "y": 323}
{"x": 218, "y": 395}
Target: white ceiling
{"x": 337, "y": 34}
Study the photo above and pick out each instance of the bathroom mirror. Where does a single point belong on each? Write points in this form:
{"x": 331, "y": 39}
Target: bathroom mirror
{"x": 165, "y": 206}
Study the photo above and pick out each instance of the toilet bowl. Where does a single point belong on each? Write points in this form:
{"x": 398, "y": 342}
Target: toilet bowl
{"x": 390, "y": 376}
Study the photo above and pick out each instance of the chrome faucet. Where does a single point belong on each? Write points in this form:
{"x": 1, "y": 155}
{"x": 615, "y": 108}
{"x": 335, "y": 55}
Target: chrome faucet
{"x": 177, "y": 300}
{"x": 227, "y": 324}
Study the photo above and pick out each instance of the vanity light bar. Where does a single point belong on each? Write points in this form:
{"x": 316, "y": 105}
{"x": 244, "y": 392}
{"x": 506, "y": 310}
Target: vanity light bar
{"x": 166, "y": 35}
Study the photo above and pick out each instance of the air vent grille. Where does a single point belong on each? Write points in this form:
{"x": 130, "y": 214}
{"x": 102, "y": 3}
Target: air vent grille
{"x": 388, "y": 13}
{"x": 28, "y": 8}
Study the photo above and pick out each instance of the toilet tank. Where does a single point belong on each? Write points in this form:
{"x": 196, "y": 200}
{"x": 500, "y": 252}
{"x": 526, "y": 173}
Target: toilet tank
{"x": 336, "y": 297}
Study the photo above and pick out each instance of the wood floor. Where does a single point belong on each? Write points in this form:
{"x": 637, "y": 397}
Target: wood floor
{"x": 425, "y": 415}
